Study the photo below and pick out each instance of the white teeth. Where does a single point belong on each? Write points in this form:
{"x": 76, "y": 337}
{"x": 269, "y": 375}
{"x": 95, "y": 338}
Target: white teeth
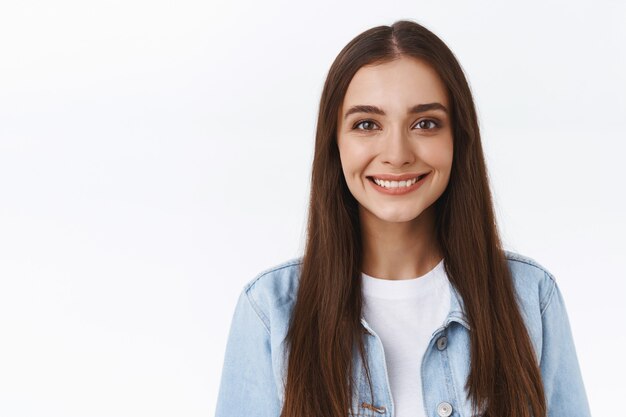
{"x": 395, "y": 184}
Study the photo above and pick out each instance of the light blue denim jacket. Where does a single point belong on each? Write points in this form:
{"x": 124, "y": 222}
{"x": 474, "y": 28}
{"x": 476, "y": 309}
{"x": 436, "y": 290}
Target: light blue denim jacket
{"x": 254, "y": 370}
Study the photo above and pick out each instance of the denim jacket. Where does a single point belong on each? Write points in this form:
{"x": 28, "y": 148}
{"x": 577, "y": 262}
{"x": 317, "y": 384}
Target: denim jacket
{"x": 254, "y": 368}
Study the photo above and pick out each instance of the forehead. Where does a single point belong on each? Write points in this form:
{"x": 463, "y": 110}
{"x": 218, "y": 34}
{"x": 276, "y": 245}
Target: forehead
{"x": 396, "y": 85}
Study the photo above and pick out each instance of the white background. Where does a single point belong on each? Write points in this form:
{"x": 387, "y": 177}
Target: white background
{"x": 155, "y": 156}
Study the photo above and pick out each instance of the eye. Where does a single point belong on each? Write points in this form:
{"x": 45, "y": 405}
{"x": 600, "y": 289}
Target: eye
{"x": 427, "y": 124}
{"x": 365, "y": 123}
{"x": 424, "y": 124}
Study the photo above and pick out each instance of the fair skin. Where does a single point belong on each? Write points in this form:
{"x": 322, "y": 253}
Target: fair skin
{"x": 402, "y": 144}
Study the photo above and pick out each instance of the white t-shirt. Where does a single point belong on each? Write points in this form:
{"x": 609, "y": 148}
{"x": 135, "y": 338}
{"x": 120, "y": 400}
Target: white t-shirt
{"x": 404, "y": 314}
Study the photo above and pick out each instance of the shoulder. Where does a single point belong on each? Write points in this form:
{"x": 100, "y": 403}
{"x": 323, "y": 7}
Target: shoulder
{"x": 272, "y": 292}
{"x": 533, "y": 282}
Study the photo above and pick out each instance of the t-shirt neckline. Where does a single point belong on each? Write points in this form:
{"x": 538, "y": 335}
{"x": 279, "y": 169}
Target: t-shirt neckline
{"x": 395, "y": 289}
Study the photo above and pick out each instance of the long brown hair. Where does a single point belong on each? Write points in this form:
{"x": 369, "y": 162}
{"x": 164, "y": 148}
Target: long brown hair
{"x": 325, "y": 327}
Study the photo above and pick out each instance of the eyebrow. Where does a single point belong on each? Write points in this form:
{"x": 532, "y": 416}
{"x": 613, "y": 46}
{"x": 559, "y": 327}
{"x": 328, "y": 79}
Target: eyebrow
{"x": 419, "y": 108}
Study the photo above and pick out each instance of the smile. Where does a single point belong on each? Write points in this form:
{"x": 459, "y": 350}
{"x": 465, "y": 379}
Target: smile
{"x": 397, "y": 187}
{"x": 396, "y": 184}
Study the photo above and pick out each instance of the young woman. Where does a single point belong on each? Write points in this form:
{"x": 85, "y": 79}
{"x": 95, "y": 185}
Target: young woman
{"x": 404, "y": 303}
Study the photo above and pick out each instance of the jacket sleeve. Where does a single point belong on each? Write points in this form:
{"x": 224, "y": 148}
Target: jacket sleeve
{"x": 562, "y": 379}
{"x": 247, "y": 386}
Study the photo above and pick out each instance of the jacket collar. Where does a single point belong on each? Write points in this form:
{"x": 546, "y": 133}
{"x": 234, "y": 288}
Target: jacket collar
{"x": 457, "y": 309}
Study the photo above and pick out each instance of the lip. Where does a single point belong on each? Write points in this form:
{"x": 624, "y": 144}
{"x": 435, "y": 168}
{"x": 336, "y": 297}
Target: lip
{"x": 397, "y": 190}
{"x": 403, "y": 177}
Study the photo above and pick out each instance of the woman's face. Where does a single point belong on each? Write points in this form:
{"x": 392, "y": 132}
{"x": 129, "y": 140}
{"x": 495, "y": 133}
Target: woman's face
{"x": 395, "y": 139}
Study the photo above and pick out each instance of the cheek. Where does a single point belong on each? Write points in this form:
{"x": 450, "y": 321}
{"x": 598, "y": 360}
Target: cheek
{"x": 353, "y": 158}
{"x": 439, "y": 155}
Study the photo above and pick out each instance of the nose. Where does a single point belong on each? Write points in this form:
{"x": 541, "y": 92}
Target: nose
{"x": 396, "y": 149}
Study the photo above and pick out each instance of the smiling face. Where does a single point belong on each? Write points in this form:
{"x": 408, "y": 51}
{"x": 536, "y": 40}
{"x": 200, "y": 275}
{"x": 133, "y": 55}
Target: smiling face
{"x": 395, "y": 139}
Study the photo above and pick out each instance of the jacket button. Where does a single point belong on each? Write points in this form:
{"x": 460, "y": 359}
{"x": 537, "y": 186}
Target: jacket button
{"x": 444, "y": 409}
{"x": 442, "y": 342}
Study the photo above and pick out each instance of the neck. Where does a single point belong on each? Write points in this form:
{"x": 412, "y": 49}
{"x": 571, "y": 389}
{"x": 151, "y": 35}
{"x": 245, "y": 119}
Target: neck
{"x": 401, "y": 250}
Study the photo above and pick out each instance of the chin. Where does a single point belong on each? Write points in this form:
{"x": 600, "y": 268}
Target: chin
{"x": 397, "y": 217}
